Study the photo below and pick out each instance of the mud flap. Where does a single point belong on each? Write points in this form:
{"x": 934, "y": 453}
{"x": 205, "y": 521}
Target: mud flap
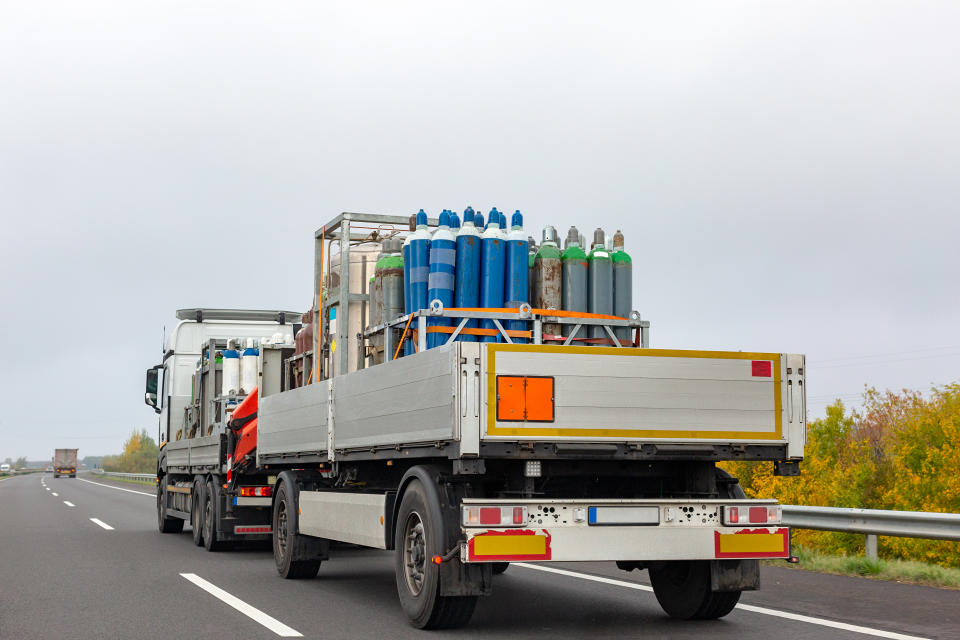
{"x": 734, "y": 575}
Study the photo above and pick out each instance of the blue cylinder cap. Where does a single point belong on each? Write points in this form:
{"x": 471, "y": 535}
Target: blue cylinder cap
{"x": 493, "y": 220}
{"x": 478, "y": 220}
{"x": 421, "y": 218}
{"x": 454, "y": 220}
{"x": 468, "y": 215}
{"x": 517, "y": 222}
{"x": 444, "y": 218}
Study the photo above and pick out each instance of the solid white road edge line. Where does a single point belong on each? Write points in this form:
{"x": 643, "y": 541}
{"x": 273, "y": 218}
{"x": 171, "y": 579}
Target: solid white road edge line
{"x": 68, "y": 503}
{"x": 103, "y": 524}
{"x": 100, "y": 484}
{"x": 880, "y": 633}
{"x": 251, "y": 612}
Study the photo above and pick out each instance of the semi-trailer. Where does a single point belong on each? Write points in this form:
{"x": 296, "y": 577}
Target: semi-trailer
{"x": 65, "y": 463}
{"x": 493, "y": 442}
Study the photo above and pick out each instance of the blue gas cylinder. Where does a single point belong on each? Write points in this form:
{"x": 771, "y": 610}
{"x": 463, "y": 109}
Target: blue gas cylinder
{"x": 517, "y": 272}
{"x": 467, "y": 290}
{"x": 492, "y": 258}
{"x": 443, "y": 260}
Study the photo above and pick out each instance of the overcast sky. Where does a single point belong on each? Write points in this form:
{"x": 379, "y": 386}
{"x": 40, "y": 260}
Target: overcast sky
{"x": 785, "y": 174}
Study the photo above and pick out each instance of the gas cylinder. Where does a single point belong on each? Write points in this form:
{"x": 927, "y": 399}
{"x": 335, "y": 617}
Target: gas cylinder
{"x": 531, "y": 256}
{"x": 600, "y": 277}
{"x": 622, "y": 284}
{"x": 248, "y": 367}
{"x": 467, "y": 289}
{"x": 230, "y": 382}
{"x": 517, "y": 272}
{"x": 443, "y": 260}
{"x": 574, "y": 260}
{"x": 407, "y": 345}
{"x": 419, "y": 266}
{"x": 547, "y": 274}
{"x": 492, "y": 259}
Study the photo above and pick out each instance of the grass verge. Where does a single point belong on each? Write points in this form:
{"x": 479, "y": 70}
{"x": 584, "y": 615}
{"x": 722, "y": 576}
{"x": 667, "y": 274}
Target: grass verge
{"x": 907, "y": 571}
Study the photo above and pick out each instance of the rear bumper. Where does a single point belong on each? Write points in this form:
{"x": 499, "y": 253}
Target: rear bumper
{"x": 561, "y": 536}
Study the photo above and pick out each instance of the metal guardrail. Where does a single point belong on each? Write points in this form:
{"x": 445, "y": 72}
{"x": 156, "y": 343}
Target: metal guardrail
{"x": 874, "y": 522}
{"x": 145, "y": 477}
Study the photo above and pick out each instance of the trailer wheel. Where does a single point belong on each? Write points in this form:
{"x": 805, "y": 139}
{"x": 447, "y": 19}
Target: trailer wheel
{"x": 419, "y": 538}
{"x": 164, "y": 523}
{"x": 683, "y": 591}
{"x": 211, "y": 509}
{"x": 197, "y": 513}
{"x": 500, "y": 567}
{"x": 285, "y": 539}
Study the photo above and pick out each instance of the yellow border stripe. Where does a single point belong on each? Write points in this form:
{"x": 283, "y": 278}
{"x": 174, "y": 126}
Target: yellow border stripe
{"x": 494, "y": 430}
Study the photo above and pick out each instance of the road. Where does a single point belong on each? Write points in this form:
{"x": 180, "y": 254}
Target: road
{"x": 82, "y": 558}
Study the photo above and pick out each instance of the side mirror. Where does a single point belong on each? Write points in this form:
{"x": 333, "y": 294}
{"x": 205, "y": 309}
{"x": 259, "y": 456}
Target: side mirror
{"x": 150, "y": 395}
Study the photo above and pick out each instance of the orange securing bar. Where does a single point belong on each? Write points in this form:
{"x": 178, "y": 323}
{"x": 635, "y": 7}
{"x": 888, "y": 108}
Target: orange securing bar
{"x": 556, "y": 313}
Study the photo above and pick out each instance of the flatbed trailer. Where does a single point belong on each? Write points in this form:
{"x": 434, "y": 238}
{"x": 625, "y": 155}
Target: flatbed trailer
{"x": 468, "y": 456}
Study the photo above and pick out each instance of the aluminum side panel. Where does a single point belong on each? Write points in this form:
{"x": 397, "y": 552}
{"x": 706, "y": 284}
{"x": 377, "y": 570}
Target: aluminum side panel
{"x": 293, "y": 421}
{"x": 644, "y": 394}
{"x": 407, "y": 400}
{"x": 347, "y": 517}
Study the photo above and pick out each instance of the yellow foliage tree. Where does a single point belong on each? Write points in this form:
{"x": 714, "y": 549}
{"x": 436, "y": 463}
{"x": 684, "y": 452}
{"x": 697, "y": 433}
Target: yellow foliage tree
{"x": 901, "y": 452}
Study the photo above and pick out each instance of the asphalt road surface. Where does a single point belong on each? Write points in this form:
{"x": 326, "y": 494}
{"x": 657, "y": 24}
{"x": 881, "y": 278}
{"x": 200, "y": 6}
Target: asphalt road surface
{"x": 82, "y": 558}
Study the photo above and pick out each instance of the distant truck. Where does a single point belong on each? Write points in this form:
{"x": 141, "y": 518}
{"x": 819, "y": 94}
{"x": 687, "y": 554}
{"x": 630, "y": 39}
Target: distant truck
{"x": 4, "y": 468}
{"x": 65, "y": 463}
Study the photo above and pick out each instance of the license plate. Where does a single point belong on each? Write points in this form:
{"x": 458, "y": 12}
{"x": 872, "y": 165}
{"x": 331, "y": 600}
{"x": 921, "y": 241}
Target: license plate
{"x": 609, "y": 516}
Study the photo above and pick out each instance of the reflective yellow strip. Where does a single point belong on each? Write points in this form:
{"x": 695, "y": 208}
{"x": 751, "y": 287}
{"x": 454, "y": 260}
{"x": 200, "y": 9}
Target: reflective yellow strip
{"x": 751, "y": 543}
{"x": 508, "y": 545}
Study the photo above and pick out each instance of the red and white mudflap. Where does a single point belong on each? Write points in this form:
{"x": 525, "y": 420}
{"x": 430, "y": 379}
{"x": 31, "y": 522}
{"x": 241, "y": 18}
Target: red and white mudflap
{"x": 598, "y": 530}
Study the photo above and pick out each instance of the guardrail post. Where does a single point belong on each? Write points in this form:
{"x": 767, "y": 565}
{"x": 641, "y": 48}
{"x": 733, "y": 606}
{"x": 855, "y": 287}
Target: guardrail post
{"x": 871, "y": 546}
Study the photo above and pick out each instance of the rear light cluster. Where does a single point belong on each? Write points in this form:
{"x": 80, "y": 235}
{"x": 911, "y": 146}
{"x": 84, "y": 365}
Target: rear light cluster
{"x": 256, "y": 492}
{"x": 751, "y": 515}
{"x": 493, "y": 516}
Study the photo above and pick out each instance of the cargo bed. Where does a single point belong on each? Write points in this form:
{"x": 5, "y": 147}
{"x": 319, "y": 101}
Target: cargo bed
{"x": 480, "y": 400}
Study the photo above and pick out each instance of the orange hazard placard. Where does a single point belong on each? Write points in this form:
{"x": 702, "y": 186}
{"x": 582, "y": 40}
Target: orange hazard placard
{"x": 525, "y": 399}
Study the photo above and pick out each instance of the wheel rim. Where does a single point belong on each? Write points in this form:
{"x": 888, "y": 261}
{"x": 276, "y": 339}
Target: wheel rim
{"x": 281, "y": 529}
{"x": 414, "y": 553}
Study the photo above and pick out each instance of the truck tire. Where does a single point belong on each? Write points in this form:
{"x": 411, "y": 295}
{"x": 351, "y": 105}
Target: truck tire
{"x": 164, "y": 523}
{"x": 500, "y": 567}
{"x": 196, "y": 512}
{"x": 286, "y": 543}
{"x": 211, "y": 513}
{"x": 683, "y": 590}
{"x": 419, "y": 537}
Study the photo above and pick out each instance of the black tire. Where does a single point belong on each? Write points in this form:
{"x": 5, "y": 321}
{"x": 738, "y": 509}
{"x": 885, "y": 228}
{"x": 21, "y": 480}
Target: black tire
{"x": 196, "y": 513}
{"x": 164, "y": 523}
{"x": 500, "y": 567}
{"x": 419, "y": 537}
{"x": 285, "y": 542}
{"x": 211, "y": 508}
{"x": 683, "y": 591}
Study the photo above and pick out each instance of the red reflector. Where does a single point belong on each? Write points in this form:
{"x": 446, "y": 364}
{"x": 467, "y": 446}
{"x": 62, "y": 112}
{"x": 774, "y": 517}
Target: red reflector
{"x": 733, "y": 515}
{"x": 762, "y": 368}
{"x": 518, "y": 515}
{"x": 758, "y": 514}
{"x": 490, "y": 515}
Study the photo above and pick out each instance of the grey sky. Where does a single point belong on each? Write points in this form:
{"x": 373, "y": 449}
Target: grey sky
{"x": 785, "y": 174}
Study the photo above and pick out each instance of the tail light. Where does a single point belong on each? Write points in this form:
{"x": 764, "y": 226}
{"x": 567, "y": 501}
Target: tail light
{"x": 493, "y": 516}
{"x": 745, "y": 514}
{"x": 256, "y": 492}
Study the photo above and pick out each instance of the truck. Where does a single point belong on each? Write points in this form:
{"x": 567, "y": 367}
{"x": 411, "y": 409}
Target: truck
{"x": 65, "y": 463}
{"x": 526, "y": 443}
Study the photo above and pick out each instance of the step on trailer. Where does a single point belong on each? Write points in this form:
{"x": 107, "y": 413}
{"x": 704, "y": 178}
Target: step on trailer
{"x": 468, "y": 456}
